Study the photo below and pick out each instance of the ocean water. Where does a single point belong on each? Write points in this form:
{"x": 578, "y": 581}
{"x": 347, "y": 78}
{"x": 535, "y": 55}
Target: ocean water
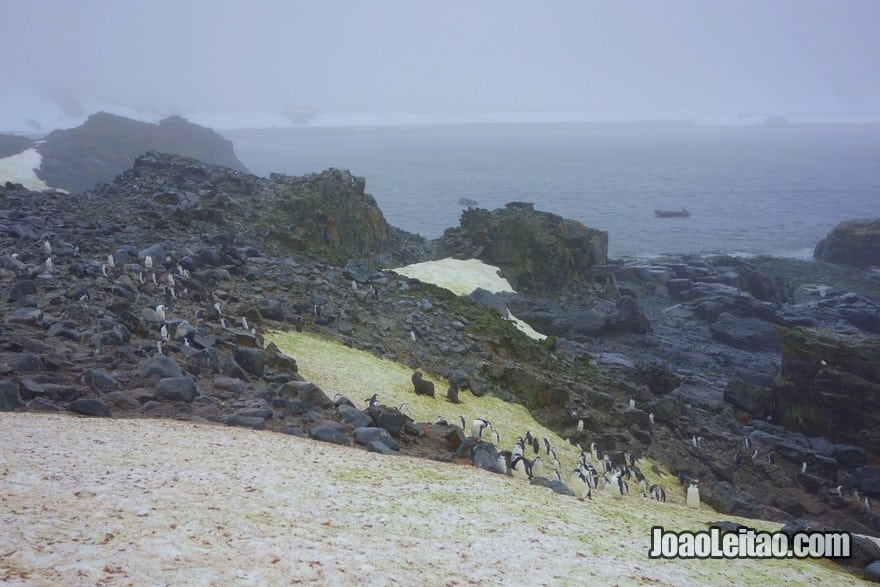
{"x": 751, "y": 190}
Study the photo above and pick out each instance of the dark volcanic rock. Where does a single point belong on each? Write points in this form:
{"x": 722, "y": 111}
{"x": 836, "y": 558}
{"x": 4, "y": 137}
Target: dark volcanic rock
{"x": 536, "y": 250}
{"x": 329, "y": 434}
{"x": 749, "y": 334}
{"x": 9, "y": 397}
{"x": 177, "y": 388}
{"x": 77, "y": 159}
{"x": 852, "y": 242}
{"x": 367, "y": 435}
{"x": 89, "y": 407}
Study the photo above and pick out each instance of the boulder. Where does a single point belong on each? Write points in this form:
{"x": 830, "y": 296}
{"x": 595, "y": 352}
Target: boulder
{"x": 10, "y": 399}
{"x": 89, "y": 407}
{"x": 366, "y": 435}
{"x": 353, "y": 416}
{"x": 852, "y": 242}
{"x": 329, "y": 434}
{"x": 536, "y": 250}
{"x": 749, "y": 334}
{"x": 177, "y": 388}
{"x": 160, "y": 366}
{"x": 756, "y": 400}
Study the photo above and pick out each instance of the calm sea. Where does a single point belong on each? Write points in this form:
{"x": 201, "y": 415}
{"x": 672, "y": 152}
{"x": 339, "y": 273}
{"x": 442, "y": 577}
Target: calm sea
{"x": 750, "y": 190}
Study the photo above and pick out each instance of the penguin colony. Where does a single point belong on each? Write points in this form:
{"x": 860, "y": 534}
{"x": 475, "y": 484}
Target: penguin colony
{"x": 163, "y": 281}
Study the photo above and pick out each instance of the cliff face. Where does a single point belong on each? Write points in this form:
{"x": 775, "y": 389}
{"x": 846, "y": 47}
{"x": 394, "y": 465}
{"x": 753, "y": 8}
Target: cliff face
{"x": 853, "y": 242}
{"x": 536, "y": 250}
{"x": 105, "y": 145}
{"x": 830, "y": 386}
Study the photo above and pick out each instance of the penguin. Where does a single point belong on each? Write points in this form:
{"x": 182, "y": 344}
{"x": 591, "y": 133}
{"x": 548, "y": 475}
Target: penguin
{"x": 803, "y": 468}
{"x": 581, "y": 485}
{"x": 153, "y": 279}
{"x": 372, "y": 400}
{"x": 838, "y": 491}
{"x": 693, "y": 496}
{"x": 593, "y": 452}
{"x": 528, "y": 438}
{"x": 49, "y": 264}
{"x": 496, "y": 438}
{"x": 651, "y": 419}
{"x": 317, "y": 310}
{"x": 47, "y": 248}
{"x": 223, "y": 322}
{"x": 559, "y": 477}
{"x": 244, "y": 323}
{"x": 867, "y": 503}
{"x": 461, "y": 419}
{"x": 554, "y": 458}
{"x": 771, "y": 457}
{"x": 111, "y": 261}
{"x": 623, "y": 486}
{"x": 403, "y": 408}
{"x": 536, "y": 446}
{"x": 658, "y": 493}
{"x": 580, "y": 425}
{"x": 748, "y": 443}
{"x": 439, "y": 421}
{"x": 537, "y": 468}
{"x": 699, "y": 442}
{"x": 694, "y": 441}
{"x": 501, "y": 462}
{"x": 518, "y": 447}
{"x": 104, "y": 269}
{"x": 412, "y": 335}
{"x": 615, "y": 485}
{"x": 477, "y": 427}
{"x": 643, "y": 485}
{"x": 737, "y": 459}
{"x": 160, "y": 312}
{"x": 547, "y": 445}
{"x": 170, "y": 279}
{"x": 354, "y": 285}
{"x": 520, "y": 467}
{"x": 755, "y": 454}
{"x": 163, "y": 332}
{"x": 141, "y": 278}
{"x": 148, "y": 263}
{"x": 217, "y": 307}
{"x": 159, "y": 346}
{"x": 632, "y": 404}
{"x": 632, "y": 459}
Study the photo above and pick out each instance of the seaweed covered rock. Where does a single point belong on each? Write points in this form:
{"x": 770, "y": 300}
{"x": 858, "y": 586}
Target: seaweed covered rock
{"x": 537, "y": 251}
{"x": 852, "y": 242}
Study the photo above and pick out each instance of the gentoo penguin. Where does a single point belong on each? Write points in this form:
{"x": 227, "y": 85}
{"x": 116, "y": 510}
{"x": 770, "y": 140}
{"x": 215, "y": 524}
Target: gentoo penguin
{"x": 477, "y": 427}
{"x": 372, "y": 400}
{"x": 160, "y": 312}
{"x": 693, "y": 496}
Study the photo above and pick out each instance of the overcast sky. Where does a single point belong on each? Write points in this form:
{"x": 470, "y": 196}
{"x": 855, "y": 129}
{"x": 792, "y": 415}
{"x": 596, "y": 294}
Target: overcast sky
{"x": 451, "y": 56}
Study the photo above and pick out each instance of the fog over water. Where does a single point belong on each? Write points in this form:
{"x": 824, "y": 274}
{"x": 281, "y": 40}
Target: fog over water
{"x": 706, "y": 60}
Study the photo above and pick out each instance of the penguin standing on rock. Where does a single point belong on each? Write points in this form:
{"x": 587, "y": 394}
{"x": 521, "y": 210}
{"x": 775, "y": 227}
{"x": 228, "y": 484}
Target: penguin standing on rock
{"x": 477, "y": 427}
{"x": 372, "y": 400}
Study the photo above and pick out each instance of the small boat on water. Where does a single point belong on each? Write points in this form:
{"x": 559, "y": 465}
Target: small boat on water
{"x": 673, "y": 213}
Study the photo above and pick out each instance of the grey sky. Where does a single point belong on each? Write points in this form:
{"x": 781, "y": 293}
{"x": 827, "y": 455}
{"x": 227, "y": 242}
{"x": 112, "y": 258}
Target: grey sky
{"x": 450, "y": 56}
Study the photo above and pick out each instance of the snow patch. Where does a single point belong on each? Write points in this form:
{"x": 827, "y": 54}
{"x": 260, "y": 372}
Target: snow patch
{"x": 20, "y": 169}
{"x": 462, "y": 277}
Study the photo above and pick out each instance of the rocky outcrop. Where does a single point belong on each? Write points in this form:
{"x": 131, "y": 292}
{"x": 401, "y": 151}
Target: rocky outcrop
{"x": 830, "y": 386}
{"x": 13, "y": 145}
{"x": 77, "y": 159}
{"x": 852, "y": 242}
{"x": 537, "y": 251}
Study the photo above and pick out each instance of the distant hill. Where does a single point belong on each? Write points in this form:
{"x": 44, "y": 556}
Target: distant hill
{"x": 106, "y": 144}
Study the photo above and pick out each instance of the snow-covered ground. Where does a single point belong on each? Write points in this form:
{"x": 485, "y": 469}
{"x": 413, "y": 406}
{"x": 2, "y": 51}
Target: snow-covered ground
{"x": 20, "y": 169}
{"x": 462, "y": 277}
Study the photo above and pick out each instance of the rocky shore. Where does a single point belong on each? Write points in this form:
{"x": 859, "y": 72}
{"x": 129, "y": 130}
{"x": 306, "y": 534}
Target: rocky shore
{"x": 149, "y": 297}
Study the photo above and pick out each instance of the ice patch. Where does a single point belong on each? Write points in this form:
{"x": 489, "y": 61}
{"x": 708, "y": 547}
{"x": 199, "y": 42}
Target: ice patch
{"x": 20, "y": 169}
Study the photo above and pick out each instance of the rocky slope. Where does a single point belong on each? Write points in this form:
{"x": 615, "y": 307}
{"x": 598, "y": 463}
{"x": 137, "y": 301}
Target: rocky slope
{"x": 104, "y": 145}
{"x": 231, "y": 252}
